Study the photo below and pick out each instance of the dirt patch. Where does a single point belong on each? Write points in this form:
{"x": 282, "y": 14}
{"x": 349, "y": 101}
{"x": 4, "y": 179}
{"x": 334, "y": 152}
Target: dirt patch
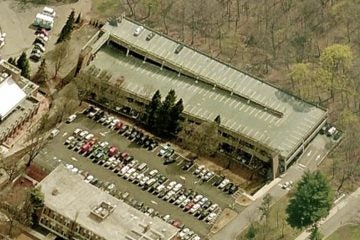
{"x": 243, "y": 200}
{"x": 36, "y": 173}
{"x": 226, "y": 216}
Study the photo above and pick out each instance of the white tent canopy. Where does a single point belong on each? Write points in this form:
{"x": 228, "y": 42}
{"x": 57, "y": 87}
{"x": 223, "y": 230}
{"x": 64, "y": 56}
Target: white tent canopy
{"x": 11, "y": 96}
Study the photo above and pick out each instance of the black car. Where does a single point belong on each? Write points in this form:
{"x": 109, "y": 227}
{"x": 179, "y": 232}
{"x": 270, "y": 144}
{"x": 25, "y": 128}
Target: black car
{"x": 325, "y": 128}
{"x": 133, "y": 134}
{"x": 139, "y": 205}
{"x": 204, "y": 214}
{"x": 153, "y": 187}
{"x": 227, "y": 187}
{"x": 233, "y": 189}
{"x": 141, "y": 140}
{"x": 150, "y": 36}
{"x": 179, "y": 48}
{"x": 153, "y": 145}
{"x": 187, "y": 165}
{"x": 206, "y": 205}
{"x": 128, "y": 132}
{"x": 162, "y": 179}
{"x": 88, "y": 110}
{"x": 218, "y": 181}
{"x": 162, "y": 194}
{"x": 40, "y": 41}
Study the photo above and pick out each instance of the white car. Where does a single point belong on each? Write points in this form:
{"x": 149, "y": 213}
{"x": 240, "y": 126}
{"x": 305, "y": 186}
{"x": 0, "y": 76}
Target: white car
{"x": 143, "y": 181}
{"x": 224, "y": 183}
{"x": 43, "y": 37}
{"x": 54, "y": 132}
{"x": 166, "y": 218}
{"x": 185, "y": 202}
{"x": 128, "y": 173}
{"x": 69, "y": 140}
{"x": 203, "y": 201}
{"x": 140, "y": 177}
{"x": 180, "y": 200}
{"x": 69, "y": 166}
{"x": 169, "y": 195}
{"x": 138, "y": 31}
{"x": 77, "y": 131}
{"x": 203, "y": 173}
{"x": 171, "y": 185}
{"x": 89, "y": 136}
{"x": 71, "y": 118}
{"x": 194, "y": 208}
{"x": 104, "y": 144}
{"x": 83, "y": 134}
{"x": 75, "y": 170}
{"x": 123, "y": 170}
{"x": 177, "y": 187}
{"x": 153, "y": 172}
{"x": 114, "y": 122}
{"x": 199, "y": 169}
{"x": 89, "y": 178}
{"x": 213, "y": 207}
{"x": 197, "y": 198}
{"x": 196, "y": 237}
{"x": 183, "y": 233}
{"x": 160, "y": 188}
{"x": 164, "y": 149}
{"x": 210, "y": 217}
{"x": 208, "y": 175}
{"x": 133, "y": 176}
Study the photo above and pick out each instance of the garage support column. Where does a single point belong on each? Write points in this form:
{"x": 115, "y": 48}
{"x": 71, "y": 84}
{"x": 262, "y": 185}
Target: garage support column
{"x": 144, "y": 59}
{"x": 275, "y": 165}
{"x": 127, "y": 51}
{"x": 107, "y": 42}
{"x": 162, "y": 65}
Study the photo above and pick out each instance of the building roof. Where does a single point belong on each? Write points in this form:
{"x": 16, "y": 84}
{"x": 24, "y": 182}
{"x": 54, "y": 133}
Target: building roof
{"x": 76, "y": 199}
{"x": 203, "y": 101}
{"x": 11, "y": 95}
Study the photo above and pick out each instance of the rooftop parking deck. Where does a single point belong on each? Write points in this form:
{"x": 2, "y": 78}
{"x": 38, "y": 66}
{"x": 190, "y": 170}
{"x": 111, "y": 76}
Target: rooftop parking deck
{"x": 206, "y": 102}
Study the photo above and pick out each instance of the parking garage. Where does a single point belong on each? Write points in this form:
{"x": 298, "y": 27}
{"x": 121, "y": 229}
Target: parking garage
{"x": 264, "y": 122}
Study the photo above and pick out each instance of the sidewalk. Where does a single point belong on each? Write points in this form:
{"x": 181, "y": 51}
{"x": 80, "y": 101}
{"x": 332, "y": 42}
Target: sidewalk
{"x": 345, "y": 203}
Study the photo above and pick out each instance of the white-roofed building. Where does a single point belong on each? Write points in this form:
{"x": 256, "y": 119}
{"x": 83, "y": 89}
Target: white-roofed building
{"x": 11, "y": 95}
{"x": 17, "y": 102}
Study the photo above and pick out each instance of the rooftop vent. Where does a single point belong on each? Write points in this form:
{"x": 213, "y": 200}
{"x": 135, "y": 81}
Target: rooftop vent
{"x": 55, "y": 192}
{"x": 103, "y": 210}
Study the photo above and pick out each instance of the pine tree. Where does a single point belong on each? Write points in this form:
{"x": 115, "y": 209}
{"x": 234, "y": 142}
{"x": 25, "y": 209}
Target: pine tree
{"x": 217, "y": 119}
{"x": 175, "y": 115}
{"x": 23, "y": 64}
{"x": 65, "y": 33}
{"x": 78, "y": 19}
{"x": 152, "y": 108}
{"x": 162, "y": 115}
{"x": 41, "y": 75}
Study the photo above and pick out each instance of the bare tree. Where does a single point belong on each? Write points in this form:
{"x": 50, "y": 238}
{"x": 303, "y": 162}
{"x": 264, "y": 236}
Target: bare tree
{"x": 59, "y": 57}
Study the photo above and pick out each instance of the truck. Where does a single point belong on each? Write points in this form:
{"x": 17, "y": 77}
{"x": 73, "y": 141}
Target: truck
{"x": 43, "y": 21}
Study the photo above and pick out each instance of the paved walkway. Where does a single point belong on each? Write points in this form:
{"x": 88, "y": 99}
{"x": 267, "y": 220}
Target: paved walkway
{"x": 342, "y": 213}
{"x": 309, "y": 160}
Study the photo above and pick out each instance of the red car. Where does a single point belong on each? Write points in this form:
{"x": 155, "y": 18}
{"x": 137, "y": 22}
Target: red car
{"x": 85, "y": 148}
{"x": 118, "y": 125}
{"x": 112, "y": 151}
{"x": 189, "y": 206}
{"x": 42, "y": 31}
{"x": 124, "y": 155}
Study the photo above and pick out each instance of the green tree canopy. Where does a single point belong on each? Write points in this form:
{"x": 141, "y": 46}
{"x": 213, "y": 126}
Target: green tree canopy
{"x": 162, "y": 115}
{"x": 336, "y": 58}
{"x": 312, "y": 201}
{"x": 175, "y": 115}
{"x": 41, "y": 75}
{"x": 65, "y": 33}
{"x": 152, "y": 108}
{"x": 23, "y": 64}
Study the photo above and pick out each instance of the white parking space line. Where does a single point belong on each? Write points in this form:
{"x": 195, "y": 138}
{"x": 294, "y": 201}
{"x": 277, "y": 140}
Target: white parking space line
{"x": 247, "y": 109}
{"x": 222, "y": 98}
{"x": 252, "y": 111}
{"x": 232, "y": 102}
{"x": 227, "y": 100}
{"x": 211, "y": 94}
{"x": 201, "y": 90}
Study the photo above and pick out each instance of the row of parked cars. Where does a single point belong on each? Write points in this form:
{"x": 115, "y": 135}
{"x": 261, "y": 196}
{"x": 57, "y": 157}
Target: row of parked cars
{"x": 132, "y": 133}
{"x": 42, "y": 36}
{"x": 330, "y": 131}
{"x": 125, "y": 166}
{"x": 221, "y": 182}
{"x": 185, "y": 233}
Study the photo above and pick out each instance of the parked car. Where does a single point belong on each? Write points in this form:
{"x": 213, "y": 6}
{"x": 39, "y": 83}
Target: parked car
{"x": 218, "y": 181}
{"x": 233, "y": 189}
{"x": 223, "y": 183}
{"x": 187, "y": 165}
{"x": 199, "y": 169}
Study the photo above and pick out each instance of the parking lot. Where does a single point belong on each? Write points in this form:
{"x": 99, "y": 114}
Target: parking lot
{"x": 56, "y": 153}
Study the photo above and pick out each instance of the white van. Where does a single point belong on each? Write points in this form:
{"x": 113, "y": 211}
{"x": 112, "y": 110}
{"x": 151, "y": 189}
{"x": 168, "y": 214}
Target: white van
{"x": 49, "y": 11}
{"x": 142, "y": 166}
{"x": 71, "y": 118}
{"x": 54, "y": 132}
{"x": 138, "y": 31}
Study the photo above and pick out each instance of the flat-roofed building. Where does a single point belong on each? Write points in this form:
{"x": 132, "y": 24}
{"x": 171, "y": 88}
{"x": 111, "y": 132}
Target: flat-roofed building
{"x": 78, "y": 209}
{"x": 258, "y": 120}
{"x": 17, "y": 100}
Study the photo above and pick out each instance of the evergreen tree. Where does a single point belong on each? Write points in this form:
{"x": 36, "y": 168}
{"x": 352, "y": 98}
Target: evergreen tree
{"x": 78, "y": 19}
{"x": 251, "y": 233}
{"x": 65, "y": 33}
{"x": 41, "y": 75}
{"x": 152, "y": 108}
{"x": 217, "y": 120}
{"x": 175, "y": 115}
{"x": 23, "y": 64}
{"x": 311, "y": 201}
{"x": 162, "y": 115}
